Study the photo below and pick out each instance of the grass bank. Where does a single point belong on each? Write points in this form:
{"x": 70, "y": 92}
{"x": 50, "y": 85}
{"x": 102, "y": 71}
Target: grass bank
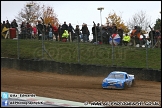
{"x": 83, "y": 53}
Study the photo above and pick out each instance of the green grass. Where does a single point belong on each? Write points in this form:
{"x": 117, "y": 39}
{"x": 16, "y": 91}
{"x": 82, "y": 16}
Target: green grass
{"x": 88, "y": 53}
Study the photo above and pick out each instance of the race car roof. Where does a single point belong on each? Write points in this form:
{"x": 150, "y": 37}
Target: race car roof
{"x": 119, "y": 72}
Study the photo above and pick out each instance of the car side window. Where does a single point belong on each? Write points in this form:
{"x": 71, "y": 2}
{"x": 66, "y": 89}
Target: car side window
{"x": 126, "y": 77}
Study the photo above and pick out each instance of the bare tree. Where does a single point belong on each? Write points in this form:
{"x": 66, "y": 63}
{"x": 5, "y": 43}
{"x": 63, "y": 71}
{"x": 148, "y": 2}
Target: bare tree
{"x": 32, "y": 12}
{"x": 29, "y": 14}
{"x": 139, "y": 19}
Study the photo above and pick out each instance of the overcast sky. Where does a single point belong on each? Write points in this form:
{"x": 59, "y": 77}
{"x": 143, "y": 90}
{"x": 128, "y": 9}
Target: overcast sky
{"x": 79, "y": 12}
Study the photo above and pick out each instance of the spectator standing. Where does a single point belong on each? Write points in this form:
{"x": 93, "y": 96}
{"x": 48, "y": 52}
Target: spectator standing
{"x": 65, "y": 36}
{"x": 156, "y": 38}
{"x": 14, "y": 24}
{"x": 55, "y": 32}
{"x": 135, "y": 35}
{"x": 81, "y": 36}
{"x": 46, "y": 32}
{"x": 3, "y": 25}
{"x": 126, "y": 39}
{"x": 114, "y": 28}
{"x": 152, "y": 36}
{"x": 34, "y": 31}
{"x": 105, "y": 35}
{"x": 109, "y": 30}
{"x": 77, "y": 32}
{"x": 29, "y": 30}
{"x": 99, "y": 32}
{"x": 40, "y": 30}
{"x": 50, "y": 32}
{"x": 64, "y": 27}
{"x": 8, "y": 25}
{"x": 120, "y": 32}
{"x": 88, "y": 35}
{"x": 23, "y": 30}
{"x": 3, "y": 29}
{"x": 60, "y": 32}
{"x": 71, "y": 33}
{"x": 94, "y": 33}
{"x": 84, "y": 32}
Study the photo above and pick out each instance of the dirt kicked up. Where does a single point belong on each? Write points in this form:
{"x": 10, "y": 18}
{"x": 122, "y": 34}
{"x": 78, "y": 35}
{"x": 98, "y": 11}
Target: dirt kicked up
{"x": 75, "y": 88}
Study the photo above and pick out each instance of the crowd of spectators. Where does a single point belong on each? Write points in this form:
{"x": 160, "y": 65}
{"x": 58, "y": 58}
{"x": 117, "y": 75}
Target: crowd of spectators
{"x": 6, "y": 25}
{"x": 67, "y": 33}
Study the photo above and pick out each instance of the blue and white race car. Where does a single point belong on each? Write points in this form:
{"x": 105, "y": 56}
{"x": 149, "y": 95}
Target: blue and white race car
{"x": 118, "y": 80}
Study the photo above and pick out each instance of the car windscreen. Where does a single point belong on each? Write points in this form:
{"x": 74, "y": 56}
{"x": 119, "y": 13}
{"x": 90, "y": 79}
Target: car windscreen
{"x": 116, "y": 76}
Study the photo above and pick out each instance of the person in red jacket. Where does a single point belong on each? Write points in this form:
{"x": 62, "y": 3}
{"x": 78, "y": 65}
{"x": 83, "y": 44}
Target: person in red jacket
{"x": 34, "y": 31}
{"x": 55, "y": 32}
{"x": 29, "y": 30}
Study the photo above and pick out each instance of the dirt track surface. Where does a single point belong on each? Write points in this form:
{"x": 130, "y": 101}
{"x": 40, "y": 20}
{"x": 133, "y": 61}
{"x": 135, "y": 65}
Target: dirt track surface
{"x": 75, "y": 88}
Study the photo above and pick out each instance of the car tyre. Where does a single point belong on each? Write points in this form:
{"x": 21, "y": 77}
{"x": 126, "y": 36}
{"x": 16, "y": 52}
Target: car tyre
{"x": 125, "y": 86}
{"x": 133, "y": 82}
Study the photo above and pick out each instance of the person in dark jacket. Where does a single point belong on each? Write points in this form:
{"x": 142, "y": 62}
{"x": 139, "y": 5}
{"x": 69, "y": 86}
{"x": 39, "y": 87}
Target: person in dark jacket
{"x": 120, "y": 32}
{"x": 65, "y": 27}
{"x": 3, "y": 25}
{"x": 114, "y": 28}
{"x": 85, "y": 32}
{"x": 77, "y": 33}
{"x": 2, "y": 29}
{"x": 88, "y": 35}
{"x": 157, "y": 34}
{"x": 14, "y": 24}
{"x": 98, "y": 30}
{"x": 60, "y": 31}
{"x": 105, "y": 35}
{"x": 152, "y": 36}
{"x": 109, "y": 30}
{"x": 29, "y": 30}
{"x": 8, "y": 25}
{"x": 40, "y": 30}
{"x": 49, "y": 30}
{"x": 95, "y": 33}
{"x": 23, "y": 30}
{"x": 70, "y": 30}
{"x": 47, "y": 34}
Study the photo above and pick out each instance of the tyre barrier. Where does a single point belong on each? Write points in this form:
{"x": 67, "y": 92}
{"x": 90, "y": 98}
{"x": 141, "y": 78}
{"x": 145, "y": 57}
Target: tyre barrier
{"x": 77, "y": 69}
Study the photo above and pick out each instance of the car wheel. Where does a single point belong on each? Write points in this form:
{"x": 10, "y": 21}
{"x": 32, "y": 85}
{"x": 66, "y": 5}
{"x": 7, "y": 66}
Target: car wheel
{"x": 125, "y": 86}
{"x": 129, "y": 84}
{"x": 133, "y": 82}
